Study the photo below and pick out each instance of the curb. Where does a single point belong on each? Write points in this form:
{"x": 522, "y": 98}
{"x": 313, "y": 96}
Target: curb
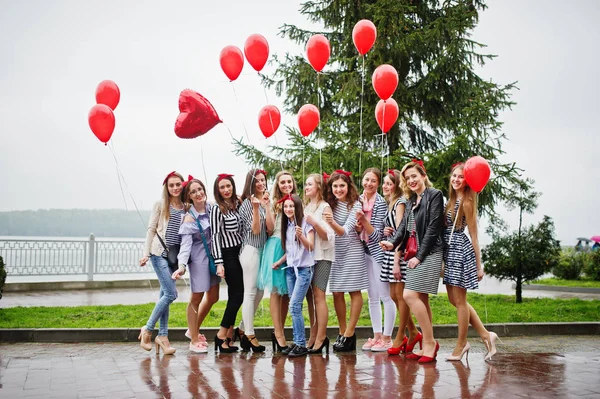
{"x": 558, "y": 288}
{"x": 74, "y": 335}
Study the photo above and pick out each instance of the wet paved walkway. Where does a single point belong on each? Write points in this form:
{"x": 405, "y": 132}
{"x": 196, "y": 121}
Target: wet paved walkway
{"x": 536, "y": 367}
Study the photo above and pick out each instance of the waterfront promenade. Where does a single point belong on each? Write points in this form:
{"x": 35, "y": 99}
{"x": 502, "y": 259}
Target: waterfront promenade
{"x": 536, "y": 367}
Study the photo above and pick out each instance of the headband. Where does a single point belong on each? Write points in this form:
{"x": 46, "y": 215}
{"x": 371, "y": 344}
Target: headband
{"x": 420, "y": 162}
{"x": 260, "y": 171}
{"x": 343, "y": 172}
{"x": 326, "y": 176}
{"x": 455, "y": 165}
{"x": 173, "y": 173}
{"x": 222, "y": 176}
{"x": 287, "y": 197}
{"x": 185, "y": 183}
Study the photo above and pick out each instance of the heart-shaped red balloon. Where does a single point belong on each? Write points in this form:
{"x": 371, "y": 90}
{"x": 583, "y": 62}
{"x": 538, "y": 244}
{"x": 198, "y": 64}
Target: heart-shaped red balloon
{"x": 197, "y": 115}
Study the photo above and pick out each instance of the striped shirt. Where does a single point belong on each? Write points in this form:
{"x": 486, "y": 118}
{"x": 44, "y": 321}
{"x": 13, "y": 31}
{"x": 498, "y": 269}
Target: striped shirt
{"x": 377, "y": 221}
{"x": 225, "y": 231}
{"x": 248, "y": 237}
{"x": 172, "y": 236}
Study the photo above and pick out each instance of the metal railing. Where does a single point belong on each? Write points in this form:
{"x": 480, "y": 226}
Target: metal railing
{"x": 60, "y": 257}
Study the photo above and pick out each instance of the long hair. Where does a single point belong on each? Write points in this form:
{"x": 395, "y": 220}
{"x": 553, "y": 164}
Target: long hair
{"x": 321, "y": 191}
{"x": 250, "y": 185}
{"x": 277, "y": 194}
{"x": 166, "y": 197}
{"x": 467, "y": 207}
{"x": 225, "y": 206}
{"x": 399, "y": 188}
{"x": 352, "y": 195}
{"x": 419, "y": 169}
{"x": 187, "y": 200}
{"x": 298, "y": 218}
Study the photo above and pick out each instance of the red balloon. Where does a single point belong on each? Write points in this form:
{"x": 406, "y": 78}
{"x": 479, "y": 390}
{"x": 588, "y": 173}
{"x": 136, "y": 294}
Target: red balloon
{"x": 256, "y": 50}
{"x": 477, "y": 172}
{"x": 308, "y": 119}
{"x": 364, "y": 35}
{"x": 232, "y": 62}
{"x": 318, "y": 51}
{"x": 108, "y": 93}
{"x": 385, "y": 81}
{"x": 197, "y": 115}
{"x": 102, "y": 122}
{"x": 386, "y": 114}
{"x": 269, "y": 119}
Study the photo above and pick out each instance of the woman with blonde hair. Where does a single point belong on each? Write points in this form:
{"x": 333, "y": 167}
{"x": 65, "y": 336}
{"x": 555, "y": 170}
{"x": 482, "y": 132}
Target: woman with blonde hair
{"x": 462, "y": 257}
{"x": 163, "y": 233}
{"x": 271, "y": 275}
{"x": 393, "y": 269}
{"x": 315, "y": 209}
{"x": 420, "y": 236}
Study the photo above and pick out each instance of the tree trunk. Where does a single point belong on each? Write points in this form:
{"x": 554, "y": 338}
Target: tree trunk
{"x": 519, "y": 289}
{"x": 520, "y": 261}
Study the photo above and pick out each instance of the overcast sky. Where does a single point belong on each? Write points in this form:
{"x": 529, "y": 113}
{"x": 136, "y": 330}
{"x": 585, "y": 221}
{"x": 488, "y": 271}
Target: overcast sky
{"x": 54, "y": 53}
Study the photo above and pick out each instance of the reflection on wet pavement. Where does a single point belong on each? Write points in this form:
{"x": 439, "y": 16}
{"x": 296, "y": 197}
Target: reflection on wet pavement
{"x": 118, "y": 370}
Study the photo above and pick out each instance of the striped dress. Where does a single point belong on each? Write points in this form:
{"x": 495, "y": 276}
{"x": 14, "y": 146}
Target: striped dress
{"x": 388, "y": 256}
{"x": 426, "y": 276}
{"x": 461, "y": 265}
{"x": 349, "y": 269}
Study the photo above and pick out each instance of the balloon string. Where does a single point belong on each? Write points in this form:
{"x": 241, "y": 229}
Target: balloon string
{"x": 239, "y": 109}
{"x": 272, "y": 125}
{"x": 318, "y": 132}
{"x": 118, "y": 176}
{"x": 382, "y": 132}
{"x": 202, "y": 158}
{"x": 303, "y": 147}
{"x": 362, "y": 92}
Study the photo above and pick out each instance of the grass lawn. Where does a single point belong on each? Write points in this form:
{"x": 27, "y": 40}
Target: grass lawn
{"x": 568, "y": 283}
{"x": 491, "y": 309}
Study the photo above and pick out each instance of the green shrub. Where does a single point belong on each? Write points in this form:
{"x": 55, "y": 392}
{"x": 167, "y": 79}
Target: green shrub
{"x": 2, "y": 275}
{"x": 592, "y": 268}
{"x": 571, "y": 265}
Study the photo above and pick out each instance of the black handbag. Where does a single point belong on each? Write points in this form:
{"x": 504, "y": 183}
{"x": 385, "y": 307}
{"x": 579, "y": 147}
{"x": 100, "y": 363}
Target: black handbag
{"x": 172, "y": 253}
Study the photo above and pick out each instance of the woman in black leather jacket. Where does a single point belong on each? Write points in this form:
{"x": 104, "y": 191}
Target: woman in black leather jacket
{"x": 424, "y": 219}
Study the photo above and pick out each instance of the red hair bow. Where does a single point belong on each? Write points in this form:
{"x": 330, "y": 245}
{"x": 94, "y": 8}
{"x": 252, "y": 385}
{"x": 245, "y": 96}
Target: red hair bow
{"x": 185, "y": 183}
{"x": 455, "y": 165}
{"x": 222, "y": 176}
{"x": 287, "y": 197}
{"x": 259, "y": 172}
{"x": 169, "y": 175}
{"x": 419, "y": 162}
{"x": 391, "y": 172}
{"x": 326, "y": 176}
{"x": 343, "y": 172}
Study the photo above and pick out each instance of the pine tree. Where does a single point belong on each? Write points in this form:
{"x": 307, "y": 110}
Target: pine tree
{"x": 447, "y": 112}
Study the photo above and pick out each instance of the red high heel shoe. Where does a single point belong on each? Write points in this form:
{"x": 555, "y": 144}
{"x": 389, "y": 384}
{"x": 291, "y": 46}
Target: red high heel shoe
{"x": 398, "y": 350}
{"x": 427, "y": 359}
{"x": 412, "y": 356}
{"x": 409, "y": 347}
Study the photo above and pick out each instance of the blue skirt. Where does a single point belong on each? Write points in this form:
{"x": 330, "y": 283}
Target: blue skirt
{"x": 268, "y": 278}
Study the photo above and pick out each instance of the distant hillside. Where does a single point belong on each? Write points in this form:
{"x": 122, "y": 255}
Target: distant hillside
{"x": 74, "y": 223}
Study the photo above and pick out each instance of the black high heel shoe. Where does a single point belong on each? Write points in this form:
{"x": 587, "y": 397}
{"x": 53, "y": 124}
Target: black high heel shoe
{"x": 246, "y": 343}
{"x": 230, "y": 344}
{"x": 276, "y": 346}
{"x": 347, "y": 344}
{"x": 237, "y": 335}
{"x": 325, "y": 345}
{"x": 219, "y": 345}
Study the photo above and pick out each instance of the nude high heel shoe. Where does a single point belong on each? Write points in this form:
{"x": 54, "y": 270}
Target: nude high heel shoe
{"x": 145, "y": 338}
{"x": 166, "y": 346}
{"x": 491, "y": 346}
{"x": 465, "y": 349}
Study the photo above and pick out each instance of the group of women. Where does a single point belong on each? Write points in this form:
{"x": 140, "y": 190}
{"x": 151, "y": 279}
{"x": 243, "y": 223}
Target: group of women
{"x": 393, "y": 246}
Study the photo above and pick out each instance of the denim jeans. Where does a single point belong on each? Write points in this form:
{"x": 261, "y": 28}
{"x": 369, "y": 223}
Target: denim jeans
{"x": 297, "y": 289}
{"x": 168, "y": 293}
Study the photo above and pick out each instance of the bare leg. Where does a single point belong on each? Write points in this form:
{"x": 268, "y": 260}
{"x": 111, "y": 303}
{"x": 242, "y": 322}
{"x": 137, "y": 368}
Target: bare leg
{"x": 419, "y": 306}
{"x": 356, "y": 304}
{"x": 459, "y": 300}
{"x": 322, "y": 316}
{"x": 310, "y": 300}
{"x": 211, "y": 297}
{"x": 192, "y": 315}
{"x": 285, "y": 304}
{"x": 339, "y": 304}
{"x": 275, "y": 308}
